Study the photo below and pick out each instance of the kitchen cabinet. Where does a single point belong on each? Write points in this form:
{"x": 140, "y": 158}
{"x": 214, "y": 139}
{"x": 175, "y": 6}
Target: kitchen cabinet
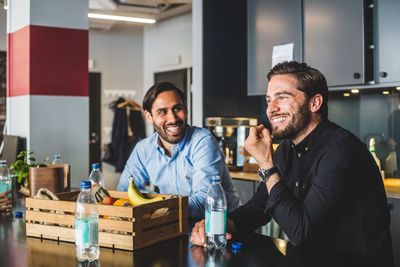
{"x": 387, "y": 39}
{"x": 270, "y": 23}
{"x": 245, "y": 189}
{"x": 334, "y": 39}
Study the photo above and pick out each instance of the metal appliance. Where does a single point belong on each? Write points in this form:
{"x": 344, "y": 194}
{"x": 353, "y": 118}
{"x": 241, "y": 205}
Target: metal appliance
{"x": 231, "y": 134}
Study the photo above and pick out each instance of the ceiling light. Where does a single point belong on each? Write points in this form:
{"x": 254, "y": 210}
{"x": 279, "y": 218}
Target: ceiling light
{"x": 355, "y": 91}
{"x": 385, "y": 92}
{"x": 346, "y": 94}
{"x": 120, "y": 18}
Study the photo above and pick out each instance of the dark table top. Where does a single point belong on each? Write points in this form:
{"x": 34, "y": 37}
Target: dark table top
{"x": 16, "y": 249}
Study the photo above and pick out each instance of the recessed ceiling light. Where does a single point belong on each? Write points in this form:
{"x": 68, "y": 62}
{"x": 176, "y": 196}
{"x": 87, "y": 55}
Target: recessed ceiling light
{"x": 385, "y": 92}
{"x": 355, "y": 91}
{"x": 346, "y": 94}
{"x": 120, "y": 18}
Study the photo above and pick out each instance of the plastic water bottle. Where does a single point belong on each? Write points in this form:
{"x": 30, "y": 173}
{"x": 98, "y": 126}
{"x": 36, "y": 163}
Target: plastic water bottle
{"x": 86, "y": 225}
{"x": 57, "y": 160}
{"x": 215, "y": 216}
{"x": 96, "y": 176}
{"x": 5, "y": 179}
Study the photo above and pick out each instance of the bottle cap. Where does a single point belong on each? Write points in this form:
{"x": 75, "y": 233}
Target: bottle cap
{"x": 215, "y": 179}
{"x": 3, "y": 162}
{"x": 86, "y": 185}
{"x": 96, "y": 166}
{"x": 237, "y": 245}
{"x": 57, "y": 156}
{"x": 18, "y": 214}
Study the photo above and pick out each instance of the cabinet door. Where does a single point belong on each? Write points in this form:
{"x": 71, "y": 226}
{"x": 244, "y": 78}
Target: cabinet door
{"x": 269, "y": 23}
{"x": 387, "y": 39}
{"x": 334, "y": 39}
{"x": 246, "y": 189}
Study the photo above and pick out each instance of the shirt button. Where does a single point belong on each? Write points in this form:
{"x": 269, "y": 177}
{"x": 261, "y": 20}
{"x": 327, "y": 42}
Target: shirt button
{"x": 304, "y": 187}
{"x": 306, "y": 148}
{"x": 299, "y": 155}
{"x": 297, "y": 184}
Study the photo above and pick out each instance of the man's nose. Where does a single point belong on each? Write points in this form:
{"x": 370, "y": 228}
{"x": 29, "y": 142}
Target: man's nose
{"x": 272, "y": 107}
{"x": 171, "y": 116}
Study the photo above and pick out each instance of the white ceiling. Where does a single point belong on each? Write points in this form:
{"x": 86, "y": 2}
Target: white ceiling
{"x": 152, "y": 9}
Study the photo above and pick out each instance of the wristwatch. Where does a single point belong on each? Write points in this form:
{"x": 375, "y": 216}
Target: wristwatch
{"x": 265, "y": 174}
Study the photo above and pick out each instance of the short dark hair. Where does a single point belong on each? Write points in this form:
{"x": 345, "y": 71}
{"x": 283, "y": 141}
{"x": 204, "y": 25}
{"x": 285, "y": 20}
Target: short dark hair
{"x": 310, "y": 81}
{"x": 157, "y": 89}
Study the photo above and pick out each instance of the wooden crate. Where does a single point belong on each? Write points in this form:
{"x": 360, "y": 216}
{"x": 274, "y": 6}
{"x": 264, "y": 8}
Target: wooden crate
{"x": 127, "y": 228}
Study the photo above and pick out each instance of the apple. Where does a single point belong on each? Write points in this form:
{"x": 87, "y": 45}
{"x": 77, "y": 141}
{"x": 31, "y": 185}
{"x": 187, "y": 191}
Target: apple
{"x": 108, "y": 200}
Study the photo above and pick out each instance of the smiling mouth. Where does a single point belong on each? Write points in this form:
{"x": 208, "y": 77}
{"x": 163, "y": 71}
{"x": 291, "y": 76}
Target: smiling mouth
{"x": 174, "y": 129}
{"x": 278, "y": 120}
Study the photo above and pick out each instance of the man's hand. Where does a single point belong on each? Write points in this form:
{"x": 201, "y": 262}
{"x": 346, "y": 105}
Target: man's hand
{"x": 198, "y": 236}
{"x": 259, "y": 145}
{"x": 6, "y": 202}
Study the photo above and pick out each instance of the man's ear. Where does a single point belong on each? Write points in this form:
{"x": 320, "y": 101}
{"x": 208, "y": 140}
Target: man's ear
{"x": 149, "y": 118}
{"x": 316, "y": 102}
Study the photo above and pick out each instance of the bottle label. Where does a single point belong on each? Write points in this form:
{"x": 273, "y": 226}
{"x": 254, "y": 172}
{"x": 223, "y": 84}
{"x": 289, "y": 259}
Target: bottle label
{"x": 5, "y": 186}
{"x": 86, "y": 232}
{"x": 215, "y": 222}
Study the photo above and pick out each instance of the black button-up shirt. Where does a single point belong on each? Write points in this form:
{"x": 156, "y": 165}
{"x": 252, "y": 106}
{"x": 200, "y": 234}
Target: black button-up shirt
{"x": 330, "y": 195}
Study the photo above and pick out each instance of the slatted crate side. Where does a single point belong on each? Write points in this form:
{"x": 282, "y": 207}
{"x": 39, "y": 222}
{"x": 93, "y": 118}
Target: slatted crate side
{"x": 156, "y": 234}
{"x": 50, "y": 232}
{"x": 46, "y": 204}
{"x": 50, "y": 217}
{"x": 115, "y": 211}
{"x": 117, "y": 241}
{"x": 116, "y": 225}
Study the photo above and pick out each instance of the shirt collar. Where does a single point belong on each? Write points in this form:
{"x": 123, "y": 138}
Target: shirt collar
{"x": 179, "y": 146}
{"x": 309, "y": 140}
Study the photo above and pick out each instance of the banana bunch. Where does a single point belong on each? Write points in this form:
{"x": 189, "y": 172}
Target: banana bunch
{"x": 136, "y": 197}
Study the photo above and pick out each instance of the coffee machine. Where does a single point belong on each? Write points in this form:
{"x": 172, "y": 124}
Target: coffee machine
{"x": 231, "y": 134}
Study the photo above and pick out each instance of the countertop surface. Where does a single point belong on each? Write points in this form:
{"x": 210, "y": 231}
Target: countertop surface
{"x": 392, "y": 185}
{"x": 19, "y": 250}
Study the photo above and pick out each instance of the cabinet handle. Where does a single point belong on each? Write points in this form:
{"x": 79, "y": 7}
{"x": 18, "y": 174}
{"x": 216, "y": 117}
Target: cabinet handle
{"x": 356, "y": 75}
{"x": 383, "y": 74}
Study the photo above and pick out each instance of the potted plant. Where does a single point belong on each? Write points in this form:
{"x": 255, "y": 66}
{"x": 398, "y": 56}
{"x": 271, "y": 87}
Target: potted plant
{"x": 20, "y": 168}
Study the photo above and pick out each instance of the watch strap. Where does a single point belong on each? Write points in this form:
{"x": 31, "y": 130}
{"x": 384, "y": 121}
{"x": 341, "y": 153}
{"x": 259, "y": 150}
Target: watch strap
{"x": 265, "y": 174}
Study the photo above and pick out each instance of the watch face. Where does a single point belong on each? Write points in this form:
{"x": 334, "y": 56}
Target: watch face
{"x": 261, "y": 175}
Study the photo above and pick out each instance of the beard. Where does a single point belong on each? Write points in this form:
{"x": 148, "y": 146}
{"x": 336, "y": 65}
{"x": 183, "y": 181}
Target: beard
{"x": 172, "y": 139}
{"x": 300, "y": 119}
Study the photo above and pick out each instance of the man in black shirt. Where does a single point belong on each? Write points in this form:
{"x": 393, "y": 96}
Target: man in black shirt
{"x": 322, "y": 186}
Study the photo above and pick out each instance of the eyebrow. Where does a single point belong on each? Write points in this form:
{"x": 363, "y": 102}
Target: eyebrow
{"x": 280, "y": 93}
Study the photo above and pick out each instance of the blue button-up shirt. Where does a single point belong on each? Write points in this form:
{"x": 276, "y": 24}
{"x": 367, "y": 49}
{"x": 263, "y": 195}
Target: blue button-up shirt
{"x": 193, "y": 162}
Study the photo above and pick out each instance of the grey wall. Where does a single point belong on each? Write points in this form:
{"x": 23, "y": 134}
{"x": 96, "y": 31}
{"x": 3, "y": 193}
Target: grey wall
{"x": 3, "y": 29}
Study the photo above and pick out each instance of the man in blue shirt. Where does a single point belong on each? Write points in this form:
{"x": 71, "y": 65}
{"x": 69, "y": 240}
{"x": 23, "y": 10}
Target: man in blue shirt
{"x": 178, "y": 158}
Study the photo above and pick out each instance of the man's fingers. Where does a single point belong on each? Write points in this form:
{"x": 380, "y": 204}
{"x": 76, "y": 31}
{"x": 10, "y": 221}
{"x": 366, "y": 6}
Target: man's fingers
{"x": 228, "y": 236}
{"x": 198, "y": 234}
{"x": 5, "y": 193}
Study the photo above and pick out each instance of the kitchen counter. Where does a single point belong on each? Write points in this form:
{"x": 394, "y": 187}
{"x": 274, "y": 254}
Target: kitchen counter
{"x": 19, "y": 250}
{"x": 392, "y": 186}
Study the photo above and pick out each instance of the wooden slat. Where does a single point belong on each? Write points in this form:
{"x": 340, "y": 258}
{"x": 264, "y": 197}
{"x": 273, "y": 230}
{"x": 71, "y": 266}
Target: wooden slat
{"x": 149, "y": 222}
{"x": 46, "y": 204}
{"x": 49, "y": 217}
{"x": 116, "y": 211}
{"x": 171, "y": 204}
{"x": 51, "y": 232}
{"x": 116, "y": 225}
{"x": 183, "y": 215}
{"x": 119, "y": 241}
{"x": 157, "y": 233}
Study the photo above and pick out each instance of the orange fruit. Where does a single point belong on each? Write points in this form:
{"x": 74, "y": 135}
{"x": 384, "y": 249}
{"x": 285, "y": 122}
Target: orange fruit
{"x": 121, "y": 202}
